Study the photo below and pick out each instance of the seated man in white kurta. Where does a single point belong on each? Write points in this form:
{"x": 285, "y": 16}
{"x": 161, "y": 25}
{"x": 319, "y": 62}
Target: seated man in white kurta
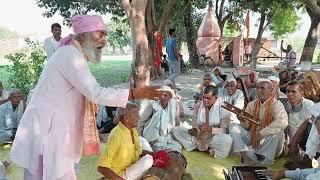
{"x": 158, "y": 131}
{"x": 210, "y": 124}
{"x": 232, "y": 95}
{"x": 261, "y": 143}
{"x": 10, "y": 115}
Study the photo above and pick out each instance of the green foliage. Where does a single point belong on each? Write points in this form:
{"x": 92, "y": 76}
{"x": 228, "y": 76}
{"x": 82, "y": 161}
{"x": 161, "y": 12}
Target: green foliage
{"x": 119, "y": 33}
{"x": 26, "y": 68}
{"x": 230, "y": 30}
{"x": 7, "y": 33}
{"x": 285, "y": 21}
{"x": 69, "y": 8}
{"x": 318, "y": 59}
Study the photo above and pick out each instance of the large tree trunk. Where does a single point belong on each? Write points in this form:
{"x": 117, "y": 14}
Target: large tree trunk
{"x": 312, "y": 37}
{"x": 192, "y": 48}
{"x": 140, "y": 57}
{"x": 257, "y": 42}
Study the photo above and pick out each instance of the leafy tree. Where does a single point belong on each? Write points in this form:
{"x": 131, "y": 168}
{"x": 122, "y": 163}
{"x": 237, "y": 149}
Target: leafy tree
{"x": 141, "y": 16}
{"x": 313, "y": 10}
{"x": 268, "y": 10}
{"x": 284, "y": 21}
{"x": 231, "y": 29}
{"x": 119, "y": 33}
{"x": 27, "y": 67}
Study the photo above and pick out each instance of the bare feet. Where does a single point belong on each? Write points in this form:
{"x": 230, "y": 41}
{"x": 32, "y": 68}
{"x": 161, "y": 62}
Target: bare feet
{"x": 211, "y": 152}
{"x": 245, "y": 159}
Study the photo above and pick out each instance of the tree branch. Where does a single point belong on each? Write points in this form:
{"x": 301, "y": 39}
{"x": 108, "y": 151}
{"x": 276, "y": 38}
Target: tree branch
{"x": 127, "y": 7}
{"x": 227, "y": 17}
{"x": 221, "y": 9}
{"x": 166, "y": 14}
{"x": 216, "y": 9}
{"x": 313, "y": 6}
{"x": 269, "y": 19}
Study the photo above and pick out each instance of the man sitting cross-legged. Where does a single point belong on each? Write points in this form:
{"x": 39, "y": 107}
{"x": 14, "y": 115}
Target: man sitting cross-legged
{"x": 163, "y": 120}
{"x": 124, "y": 157}
{"x": 264, "y": 142}
{"x": 10, "y": 115}
{"x": 210, "y": 124}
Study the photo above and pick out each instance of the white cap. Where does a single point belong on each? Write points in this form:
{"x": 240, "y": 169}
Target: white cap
{"x": 274, "y": 78}
{"x": 259, "y": 80}
{"x": 231, "y": 79}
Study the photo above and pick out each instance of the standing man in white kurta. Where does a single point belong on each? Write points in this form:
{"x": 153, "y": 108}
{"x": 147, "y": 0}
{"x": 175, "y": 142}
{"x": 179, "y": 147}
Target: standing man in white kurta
{"x": 50, "y": 136}
{"x": 51, "y": 44}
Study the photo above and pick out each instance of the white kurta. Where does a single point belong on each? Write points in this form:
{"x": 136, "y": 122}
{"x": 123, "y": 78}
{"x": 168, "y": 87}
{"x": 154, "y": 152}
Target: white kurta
{"x": 236, "y": 99}
{"x": 52, "y": 124}
{"x": 297, "y": 118}
{"x": 50, "y": 45}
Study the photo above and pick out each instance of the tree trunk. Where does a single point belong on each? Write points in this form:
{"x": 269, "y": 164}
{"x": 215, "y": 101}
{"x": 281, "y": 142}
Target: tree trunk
{"x": 113, "y": 49}
{"x": 257, "y": 42}
{"x": 312, "y": 37}
{"x": 191, "y": 42}
{"x": 135, "y": 11}
{"x": 152, "y": 41}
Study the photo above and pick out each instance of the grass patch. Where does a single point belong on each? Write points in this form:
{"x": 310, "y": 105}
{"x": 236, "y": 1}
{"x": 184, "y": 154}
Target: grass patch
{"x": 107, "y": 73}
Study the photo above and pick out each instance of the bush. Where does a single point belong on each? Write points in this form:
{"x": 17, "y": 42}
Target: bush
{"x": 27, "y": 67}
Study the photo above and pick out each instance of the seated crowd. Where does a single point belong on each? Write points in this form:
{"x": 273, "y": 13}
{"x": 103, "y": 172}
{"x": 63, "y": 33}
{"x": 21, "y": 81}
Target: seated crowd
{"x": 286, "y": 108}
{"x": 286, "y": 111}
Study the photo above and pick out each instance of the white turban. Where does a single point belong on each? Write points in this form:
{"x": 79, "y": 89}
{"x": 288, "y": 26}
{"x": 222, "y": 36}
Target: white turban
{"x": 274, "y": 78}
{"x": 167, "y": 88}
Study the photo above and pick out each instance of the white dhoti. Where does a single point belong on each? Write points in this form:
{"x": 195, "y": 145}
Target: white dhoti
{"x": 138, "y": 169}
{"x": 220, "y": 143}
{"x": 270, "y": 146}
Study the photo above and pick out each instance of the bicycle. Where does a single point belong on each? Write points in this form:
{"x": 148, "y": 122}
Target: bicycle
{"x": 185, "y": 67}
{"x": 207, "y": 64}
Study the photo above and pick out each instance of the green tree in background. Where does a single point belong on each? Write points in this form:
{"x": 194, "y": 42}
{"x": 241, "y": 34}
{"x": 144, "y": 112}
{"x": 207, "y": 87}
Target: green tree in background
{"x": 119, "y": 34}
{"x": 27, "y": 67}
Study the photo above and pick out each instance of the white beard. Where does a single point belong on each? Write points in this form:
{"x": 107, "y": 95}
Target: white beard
{"x": 90, "y": 50}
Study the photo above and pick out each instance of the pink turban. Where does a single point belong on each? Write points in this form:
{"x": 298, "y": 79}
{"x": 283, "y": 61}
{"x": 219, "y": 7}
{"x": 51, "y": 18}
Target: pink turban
{"x": 84, "y": 23}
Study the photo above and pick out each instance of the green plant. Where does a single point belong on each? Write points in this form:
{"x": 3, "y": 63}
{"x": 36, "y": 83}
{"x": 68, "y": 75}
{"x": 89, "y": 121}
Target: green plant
{"x": 318, "y": 59}
{"x": 27, "y": 67}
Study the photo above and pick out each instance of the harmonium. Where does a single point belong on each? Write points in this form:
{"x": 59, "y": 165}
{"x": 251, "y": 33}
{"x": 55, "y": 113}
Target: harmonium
{"x": 246, "y": 173}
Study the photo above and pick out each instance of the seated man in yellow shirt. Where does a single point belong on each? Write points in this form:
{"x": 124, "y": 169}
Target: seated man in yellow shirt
{"x": 124, "y": 157}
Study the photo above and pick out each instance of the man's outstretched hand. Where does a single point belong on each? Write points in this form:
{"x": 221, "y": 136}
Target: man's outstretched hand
{"x": 147, "y": 92}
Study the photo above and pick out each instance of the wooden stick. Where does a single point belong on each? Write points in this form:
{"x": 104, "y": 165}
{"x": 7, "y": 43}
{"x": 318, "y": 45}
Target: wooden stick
{"x": 238, "y": 111}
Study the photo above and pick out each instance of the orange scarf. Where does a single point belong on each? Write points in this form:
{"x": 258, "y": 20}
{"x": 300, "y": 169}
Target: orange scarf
{"x": 267, "y": 114}
{"x": 91, "y": 140}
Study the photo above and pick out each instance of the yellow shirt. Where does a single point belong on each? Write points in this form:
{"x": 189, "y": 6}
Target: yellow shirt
{"x": 121, "y": 152}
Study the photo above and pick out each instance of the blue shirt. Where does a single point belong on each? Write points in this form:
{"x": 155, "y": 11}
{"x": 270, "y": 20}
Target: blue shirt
{"x": 170, "y": 45}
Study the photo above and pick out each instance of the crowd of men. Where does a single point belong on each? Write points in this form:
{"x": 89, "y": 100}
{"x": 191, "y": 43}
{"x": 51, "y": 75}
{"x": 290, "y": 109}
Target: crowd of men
{"x": 287, "y": 113}
{"x": 287, "y": 118}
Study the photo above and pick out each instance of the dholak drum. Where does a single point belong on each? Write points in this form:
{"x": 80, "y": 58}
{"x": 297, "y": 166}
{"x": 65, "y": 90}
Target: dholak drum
{"x": 174, "y": 171}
